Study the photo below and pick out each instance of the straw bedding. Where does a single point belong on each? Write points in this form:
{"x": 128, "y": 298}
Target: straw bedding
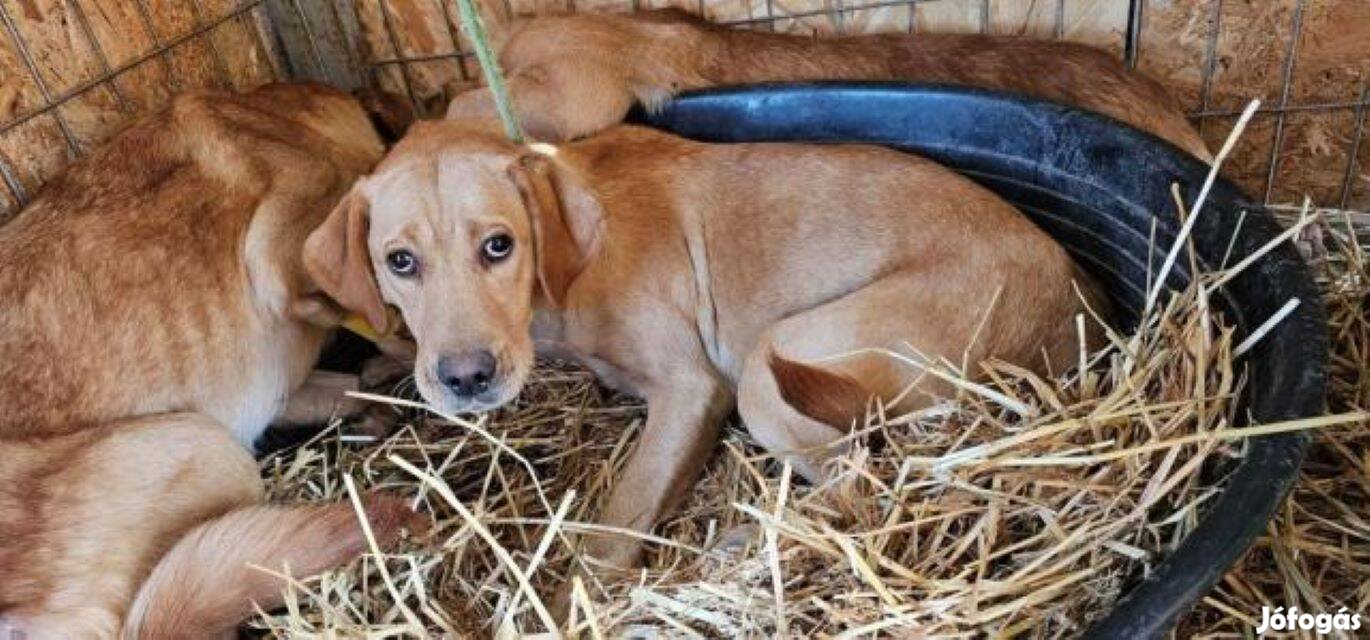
{"x": 1023, "y": 507}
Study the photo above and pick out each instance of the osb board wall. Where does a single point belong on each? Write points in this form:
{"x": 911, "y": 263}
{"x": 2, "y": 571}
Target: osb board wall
{"x": 1214, "y": 61}
{"x": 1250, "y": 58}
{"x": 151, "y": 48}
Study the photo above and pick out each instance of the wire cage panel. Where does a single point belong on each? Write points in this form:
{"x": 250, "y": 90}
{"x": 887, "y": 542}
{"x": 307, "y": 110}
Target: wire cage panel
{"x": 1308, "y": 60}
{"x": 72, "y": 71}
{"x": 75, "y": 69}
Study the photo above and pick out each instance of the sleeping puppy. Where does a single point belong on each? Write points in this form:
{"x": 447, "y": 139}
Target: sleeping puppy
{"x": 160, "y": 274}
{"x": 775, "y": 277}
{"x": 573, "y": 75}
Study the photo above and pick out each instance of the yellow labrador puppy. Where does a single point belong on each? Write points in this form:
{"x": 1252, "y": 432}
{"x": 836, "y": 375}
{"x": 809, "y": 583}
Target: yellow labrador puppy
{"x": 573, "y": 75}
{"x": 697, "y": 276}
{"x": 154, "y": 319}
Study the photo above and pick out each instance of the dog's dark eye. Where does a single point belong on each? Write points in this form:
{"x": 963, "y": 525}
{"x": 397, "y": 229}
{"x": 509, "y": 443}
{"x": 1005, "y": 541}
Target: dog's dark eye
{"x": 497, "y": 247}
{"x": 402, "y": 263}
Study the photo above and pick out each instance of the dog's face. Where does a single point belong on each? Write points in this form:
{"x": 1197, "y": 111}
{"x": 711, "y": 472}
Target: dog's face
{"x": 453, "y": 237}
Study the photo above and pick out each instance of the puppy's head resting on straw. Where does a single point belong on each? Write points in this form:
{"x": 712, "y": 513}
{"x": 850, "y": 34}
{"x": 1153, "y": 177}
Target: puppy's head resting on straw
{"x": 465, "y": 232}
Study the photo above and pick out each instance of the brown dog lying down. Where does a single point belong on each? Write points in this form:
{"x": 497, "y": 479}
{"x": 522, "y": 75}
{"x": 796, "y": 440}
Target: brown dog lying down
{"x": 695, "y": 275}
{"x": 159, "y": 274}
{"x": 573, "y": 75}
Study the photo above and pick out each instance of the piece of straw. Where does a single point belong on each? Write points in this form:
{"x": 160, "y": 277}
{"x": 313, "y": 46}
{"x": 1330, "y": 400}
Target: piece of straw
{"x": 1188, "y": 226}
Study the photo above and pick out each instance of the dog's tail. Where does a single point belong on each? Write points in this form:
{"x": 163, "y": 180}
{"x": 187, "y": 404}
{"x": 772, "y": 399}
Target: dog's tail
{"x": 210, "y": 579}
{"x": 832, "y": 398}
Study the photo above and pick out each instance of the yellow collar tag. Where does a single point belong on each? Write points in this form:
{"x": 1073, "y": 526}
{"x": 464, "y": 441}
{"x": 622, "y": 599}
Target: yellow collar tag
{"x": 358, "y": 324}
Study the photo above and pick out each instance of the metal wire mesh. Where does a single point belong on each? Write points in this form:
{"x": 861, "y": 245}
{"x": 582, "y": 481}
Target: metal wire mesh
{"x": 1280, "y": 108}
{"x": 52, "y": 103}
{"x": 326, "y": 37}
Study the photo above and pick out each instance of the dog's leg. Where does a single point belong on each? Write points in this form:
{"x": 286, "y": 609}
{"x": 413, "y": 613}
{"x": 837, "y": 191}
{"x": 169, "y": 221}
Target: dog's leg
{"x": 111, "y": 504}
{"x": 396, "y": 361}
{"x": 322, "y": 397}
{"x": 112, "y": 499}
{"x": 682, "y": 429}
{"x": 796, "y": 410}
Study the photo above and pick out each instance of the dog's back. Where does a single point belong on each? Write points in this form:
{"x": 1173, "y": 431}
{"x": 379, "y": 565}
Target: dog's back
{"x": 154, "y": 275}
{"x": 790, "y": 226}
{"x": 571, "y": 75}
{"x": 1063, "y": 72}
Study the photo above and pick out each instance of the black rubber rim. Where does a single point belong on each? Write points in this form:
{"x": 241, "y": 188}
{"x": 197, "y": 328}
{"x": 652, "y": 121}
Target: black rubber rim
{"x": 1098, "y": 186}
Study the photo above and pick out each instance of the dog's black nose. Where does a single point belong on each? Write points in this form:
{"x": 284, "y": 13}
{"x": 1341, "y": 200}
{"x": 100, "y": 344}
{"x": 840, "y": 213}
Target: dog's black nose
{"x": 467, "y": 374}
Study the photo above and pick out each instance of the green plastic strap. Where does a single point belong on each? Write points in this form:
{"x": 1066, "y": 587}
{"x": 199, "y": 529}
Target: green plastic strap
{"x": 489, "y": 67}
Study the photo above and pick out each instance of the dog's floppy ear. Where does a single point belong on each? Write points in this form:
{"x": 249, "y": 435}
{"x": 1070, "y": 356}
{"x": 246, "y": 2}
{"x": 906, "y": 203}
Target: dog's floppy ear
{"x": 337, "y": 258}
{"x": 555, "y": 210}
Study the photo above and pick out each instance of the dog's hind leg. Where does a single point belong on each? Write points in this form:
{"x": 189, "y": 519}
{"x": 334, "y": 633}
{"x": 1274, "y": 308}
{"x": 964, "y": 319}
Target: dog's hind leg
{"x": 172, "y": 499}
{"x": 103, "y": 504}
{"x": 811, "y": 377}
{"x": 797, "y": 409}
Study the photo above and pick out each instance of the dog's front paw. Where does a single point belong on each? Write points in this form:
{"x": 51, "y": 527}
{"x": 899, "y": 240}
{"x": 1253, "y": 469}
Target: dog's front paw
{"x": 383, "y": 372}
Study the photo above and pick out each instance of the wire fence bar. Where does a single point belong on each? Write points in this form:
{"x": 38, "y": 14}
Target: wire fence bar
{"x": 1350, "y": 105}
{"x": 1353, "y": 157}
{"x": 1286, "y": 84}
{"x": 1132, "y": 46}
{"x": 426, "y": 57}
{"x": 84, "y": 25}
{"x": 456, "y": 40}
{"x": 145, "y": 15}
{"x": 52, "y": 103}
{"x": 197, "y": 11}
{"x": 16, "y": 188}
{"x": 405, "y": 77}
{"x": 1210, "y": 61}
{"x": 32, "y": 67}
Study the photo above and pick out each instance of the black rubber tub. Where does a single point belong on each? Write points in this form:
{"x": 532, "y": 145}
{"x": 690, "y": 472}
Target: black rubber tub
{"x": 1098, "y": 187}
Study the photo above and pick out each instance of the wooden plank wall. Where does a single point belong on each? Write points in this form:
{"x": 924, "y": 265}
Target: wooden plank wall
{"x": 1213, "y": 65}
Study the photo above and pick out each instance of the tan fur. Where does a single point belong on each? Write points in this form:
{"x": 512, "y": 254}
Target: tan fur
{"x": 708, "y": 274}
{"x": 112, "y": 500}
{"x": 573, "y": 75}
{"x": 162, "y": 273}
{"x": 216, "y": 573}
{"x": 157, "y": 273}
